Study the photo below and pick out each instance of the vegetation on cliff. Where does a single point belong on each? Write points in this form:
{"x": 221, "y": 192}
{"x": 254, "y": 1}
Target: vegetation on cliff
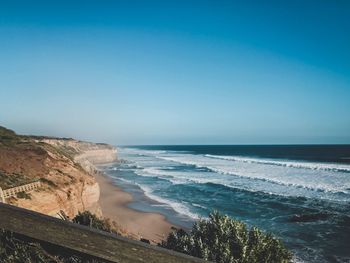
{"x": 12, "y": 145}
{"x": 24, "y": 159}
{"x": 225, "y": 240}
{"x": 86, "y": 218}
{"x": 8, "y": 180}
{"x": 7, "y": 136}
{"x": 89, "y": 219}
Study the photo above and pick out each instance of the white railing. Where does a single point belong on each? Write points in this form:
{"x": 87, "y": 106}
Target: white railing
{"x": 14, "y": 190}
{"x": 2, "y": 197}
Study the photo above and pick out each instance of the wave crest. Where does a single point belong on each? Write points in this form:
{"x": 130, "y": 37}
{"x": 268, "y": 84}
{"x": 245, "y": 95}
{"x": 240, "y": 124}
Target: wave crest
{"x": 293, "y": 164}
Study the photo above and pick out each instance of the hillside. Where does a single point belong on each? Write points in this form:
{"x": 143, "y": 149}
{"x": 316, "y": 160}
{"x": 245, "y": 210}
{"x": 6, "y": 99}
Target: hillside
{"x": 67, "y": 178}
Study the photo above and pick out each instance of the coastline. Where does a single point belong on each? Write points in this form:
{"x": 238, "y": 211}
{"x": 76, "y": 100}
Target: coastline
{"x": 113, "y": 202}
{"x": 71, "y": 182}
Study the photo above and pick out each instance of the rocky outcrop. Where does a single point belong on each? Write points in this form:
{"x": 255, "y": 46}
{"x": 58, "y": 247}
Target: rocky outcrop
{"x": 99, "y": 156}
{"x": 90, "y": 158}
{"x": 303, "y": 218}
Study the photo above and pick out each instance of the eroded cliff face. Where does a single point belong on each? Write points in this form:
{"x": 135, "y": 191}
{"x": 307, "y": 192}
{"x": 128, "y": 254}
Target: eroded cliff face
{"x": 71, "y": 200}
{"x": 64, "y": 166}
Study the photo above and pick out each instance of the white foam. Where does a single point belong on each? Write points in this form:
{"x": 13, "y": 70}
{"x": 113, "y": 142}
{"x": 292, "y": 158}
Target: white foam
{"x": 327, "y": 181}
{"x": 198, "y": 205}
{"x": 285, "y": 178}
{"x": 137, "y": 151}
{"x": 294, "y": 164}
{"x": 176, "y": 206}
{"x": 171, "y": 176}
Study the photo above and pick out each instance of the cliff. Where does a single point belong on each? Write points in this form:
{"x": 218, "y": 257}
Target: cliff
{"x": 64, "y": 166}
{"x": 86, "y": 154}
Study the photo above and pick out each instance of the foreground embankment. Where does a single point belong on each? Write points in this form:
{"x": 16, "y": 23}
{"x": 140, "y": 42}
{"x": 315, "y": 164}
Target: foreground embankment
{"x": 64, "y": 238}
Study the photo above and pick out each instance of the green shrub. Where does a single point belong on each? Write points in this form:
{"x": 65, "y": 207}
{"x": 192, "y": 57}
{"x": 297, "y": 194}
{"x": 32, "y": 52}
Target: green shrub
{"x": 9, "y": 180}
{"x": 88, "y": 219}
{"x": 225, "y": 240}
{"x": 49, "y": 182}
{"x": 23, "y": 195}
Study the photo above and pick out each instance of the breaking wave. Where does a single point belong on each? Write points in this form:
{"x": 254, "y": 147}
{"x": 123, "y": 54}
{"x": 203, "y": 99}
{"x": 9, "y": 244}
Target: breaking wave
{"x": 294, "y": 164}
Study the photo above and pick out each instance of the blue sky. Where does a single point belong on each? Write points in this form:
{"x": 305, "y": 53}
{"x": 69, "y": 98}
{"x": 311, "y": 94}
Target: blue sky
{"x": 177, "y": 72}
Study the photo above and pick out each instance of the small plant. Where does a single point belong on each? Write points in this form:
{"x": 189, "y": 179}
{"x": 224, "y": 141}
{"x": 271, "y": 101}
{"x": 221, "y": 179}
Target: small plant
{"x": 23, "y": 195}
{"x": 88, "y": 219}
{"x": 49, "y": 182}
{"x": 225, "y": 240}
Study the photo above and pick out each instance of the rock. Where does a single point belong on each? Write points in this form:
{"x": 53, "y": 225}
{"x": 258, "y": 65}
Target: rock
{"x": 309, "y": 217}
{"x": 144, "y": 240}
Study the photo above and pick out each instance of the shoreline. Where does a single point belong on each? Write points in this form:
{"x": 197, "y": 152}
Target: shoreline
{"x": 113, "y": 202}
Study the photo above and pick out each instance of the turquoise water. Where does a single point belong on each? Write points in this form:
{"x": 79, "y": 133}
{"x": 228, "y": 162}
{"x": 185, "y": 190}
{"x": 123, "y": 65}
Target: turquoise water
{"x": 266, "y": 186}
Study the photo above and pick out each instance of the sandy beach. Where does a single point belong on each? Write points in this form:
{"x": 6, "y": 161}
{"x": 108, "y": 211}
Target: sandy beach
{"x": 114, "y": 200}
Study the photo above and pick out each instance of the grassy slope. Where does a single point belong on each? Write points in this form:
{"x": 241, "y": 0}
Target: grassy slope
{"x": 24, "y": 159}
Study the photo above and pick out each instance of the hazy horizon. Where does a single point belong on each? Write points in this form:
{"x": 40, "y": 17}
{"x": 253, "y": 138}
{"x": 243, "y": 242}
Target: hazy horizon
{"x": 177, "y": 73}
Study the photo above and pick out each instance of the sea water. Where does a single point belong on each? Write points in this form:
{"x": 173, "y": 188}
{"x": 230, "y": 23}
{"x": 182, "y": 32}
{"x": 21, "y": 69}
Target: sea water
{"x": 264, "y": 186}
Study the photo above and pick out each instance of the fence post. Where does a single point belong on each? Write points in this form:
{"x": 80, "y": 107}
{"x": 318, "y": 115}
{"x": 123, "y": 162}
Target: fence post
{"x": 2, "y": 197}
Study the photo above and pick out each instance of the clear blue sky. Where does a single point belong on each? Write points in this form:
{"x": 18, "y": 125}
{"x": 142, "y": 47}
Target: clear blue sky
{"x": 177, "y": 72}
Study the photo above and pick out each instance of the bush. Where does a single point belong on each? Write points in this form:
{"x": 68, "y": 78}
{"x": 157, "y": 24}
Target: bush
{"x": 225, "y": 240}
{"x": 49, "y": 182}
{"x": 88, "y": 219}
{"x": 23, "y": 195}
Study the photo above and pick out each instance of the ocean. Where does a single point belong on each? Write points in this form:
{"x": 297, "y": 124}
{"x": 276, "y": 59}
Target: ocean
{"x": 300, "y": 193}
